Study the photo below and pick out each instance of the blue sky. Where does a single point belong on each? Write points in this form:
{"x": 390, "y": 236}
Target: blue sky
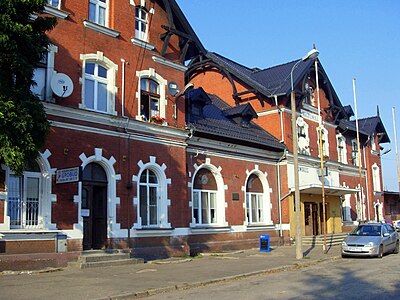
{"x": 356, "y": 39}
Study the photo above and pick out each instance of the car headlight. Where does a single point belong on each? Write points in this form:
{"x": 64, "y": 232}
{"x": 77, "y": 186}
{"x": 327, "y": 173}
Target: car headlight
{"x": 370, "y": 244}
{"x": 344, "y": 244}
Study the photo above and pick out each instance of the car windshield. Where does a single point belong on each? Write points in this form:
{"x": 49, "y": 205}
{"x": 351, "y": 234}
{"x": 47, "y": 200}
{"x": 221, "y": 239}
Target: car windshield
{"x": 371, "y": 230}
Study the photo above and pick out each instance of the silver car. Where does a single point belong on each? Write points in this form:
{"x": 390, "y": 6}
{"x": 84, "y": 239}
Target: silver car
{"x": 371, "y": 239}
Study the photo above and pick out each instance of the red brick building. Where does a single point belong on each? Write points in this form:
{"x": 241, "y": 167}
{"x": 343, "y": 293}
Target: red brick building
{"x": 351, "y": 193}
{"x": 122, "y": 168}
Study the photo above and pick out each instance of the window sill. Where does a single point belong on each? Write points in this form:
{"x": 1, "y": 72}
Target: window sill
{"x": 81, "y": 106}
{"x": 210, "y": 229}
{"x": 101, "y": 29}
{"x": 153, "y": 231}
{"x": 261, "y": 226}
{"x": 168, "y": 63}
{"x": 56, "y": 12}
{"x": 142, "y": 44}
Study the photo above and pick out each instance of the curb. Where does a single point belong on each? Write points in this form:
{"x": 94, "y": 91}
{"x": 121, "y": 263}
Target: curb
{"x": 185, "y": 286}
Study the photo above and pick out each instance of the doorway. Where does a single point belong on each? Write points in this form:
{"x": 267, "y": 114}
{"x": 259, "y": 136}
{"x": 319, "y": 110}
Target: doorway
{"x": 311, "y": 218}
{"x": 94, "y": 207}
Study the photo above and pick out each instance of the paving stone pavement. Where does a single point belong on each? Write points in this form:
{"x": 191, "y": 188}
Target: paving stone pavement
{"x": 140, "y": 280}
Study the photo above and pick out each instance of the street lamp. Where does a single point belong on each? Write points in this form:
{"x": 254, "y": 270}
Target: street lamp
{"x": 313, "y": 54}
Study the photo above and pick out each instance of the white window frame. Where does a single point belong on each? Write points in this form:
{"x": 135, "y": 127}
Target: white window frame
{"x": 47, "y": 93}
{"x": 341, "y": 148}
{"x": 52, "y": 3}
{"x": 303, "y": 142}
{"x": 376, "y": 178}
{"x": 373, "y": 144}
{"x": 148, "y": 185}
{"x": 46, "y": 198}
{"x": 209, "y": 207}
{"x": 259, "y": 208}
{"x": 325, "y": 141}
{"x": 220, "y": 195}
{"x": 99, "y": 5}
{"x": 111, "y": 68}
{"x": 162, "y": 83}
{"x": 354, "y": 153}
{"x": 163, "y": 202}
{"x": 141, "y": 21}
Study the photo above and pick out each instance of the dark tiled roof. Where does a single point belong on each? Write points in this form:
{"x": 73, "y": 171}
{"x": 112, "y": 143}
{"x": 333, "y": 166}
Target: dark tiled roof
{"x": 241, "y": 110}
{"x": 215, "y": 123}
{"x": 351, "y": 125}
{"x": 372, "y": 124}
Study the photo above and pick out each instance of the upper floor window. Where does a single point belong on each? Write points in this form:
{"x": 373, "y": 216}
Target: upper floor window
{"x": 309, "y": 91}
{"x": 98, "y": 89}
{"x": 149, "y": 98}
{"x": 354, "y": 152}
{"x": 341, "y": 148}
{"x": 54, "y": 3}
{"x": 376, "y": 178}
{"x": 98, "y": 12}
{"x": 141, "y": 23}
{"x": 303, "y": 139}
{"x": 323, "y": 141}
{"x": 96, "y": 97}
{"x": 373, "y": 144}
{"x": 40, "y": 79}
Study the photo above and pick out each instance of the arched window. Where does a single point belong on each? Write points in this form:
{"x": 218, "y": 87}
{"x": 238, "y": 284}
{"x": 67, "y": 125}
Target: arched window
{"x": 254, "y": 200}
{"x": 204, "y": 198}
{"x": 149, "y": 198}
{"x": 149, "y": 98}
{"x": 376, "y": 179}
{"x": 303, "y": 139}
{"x": 24, "y": 197}
{"x": 325, "y": 143}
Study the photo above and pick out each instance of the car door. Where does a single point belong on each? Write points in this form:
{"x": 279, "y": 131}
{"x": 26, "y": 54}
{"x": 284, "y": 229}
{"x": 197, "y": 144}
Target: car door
{"x": 393, "y": 236}
{"x": 386, "y": 239}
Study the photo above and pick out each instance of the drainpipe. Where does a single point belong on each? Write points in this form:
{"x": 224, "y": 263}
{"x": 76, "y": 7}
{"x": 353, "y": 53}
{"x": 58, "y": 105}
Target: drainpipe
{"x": 123, "y": 88}
{"x": 279, "y": 194}
{"x": 280, "y": 117}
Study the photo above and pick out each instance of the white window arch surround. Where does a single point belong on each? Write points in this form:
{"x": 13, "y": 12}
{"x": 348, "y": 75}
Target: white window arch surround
{"x": 163, "y": 203}
{"x": 151, "y": 74}
{"x": 325, "y": 140}
{"x": 112, "y": 68}
{"x": 46, "y": 198}
{"x": 220, "y": 195}
{"x": 303, "y": 137}
{"x": 376, "y": 180}
{"x": 341, "y": 148}
{"x": 266, "y": 197}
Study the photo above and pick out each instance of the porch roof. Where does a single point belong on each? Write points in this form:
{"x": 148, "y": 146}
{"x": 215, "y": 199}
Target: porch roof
{"x": 316, "y": 189}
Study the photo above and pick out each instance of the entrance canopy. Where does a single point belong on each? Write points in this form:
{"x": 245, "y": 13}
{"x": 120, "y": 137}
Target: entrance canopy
{"x": 316, "y": 189}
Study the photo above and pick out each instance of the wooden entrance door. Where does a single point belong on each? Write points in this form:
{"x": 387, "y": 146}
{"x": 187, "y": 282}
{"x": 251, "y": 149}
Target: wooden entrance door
{"x": 94, "y": 202}
{"x": 94, "y": 207}
{"x": 311, "y": 218}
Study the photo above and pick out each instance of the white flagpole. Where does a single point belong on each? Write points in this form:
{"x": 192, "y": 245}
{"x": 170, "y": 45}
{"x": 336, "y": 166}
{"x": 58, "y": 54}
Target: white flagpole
{"x": 396, "y": 147}
{"x": 361, "y": 208}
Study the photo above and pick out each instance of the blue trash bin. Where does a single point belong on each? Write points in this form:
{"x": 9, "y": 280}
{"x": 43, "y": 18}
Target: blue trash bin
{"x": 265, "y": 243}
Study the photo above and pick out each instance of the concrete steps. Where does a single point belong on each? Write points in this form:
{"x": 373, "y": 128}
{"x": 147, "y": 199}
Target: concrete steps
{"x": 318, "y": 240}
{"x": 104, "y": 258}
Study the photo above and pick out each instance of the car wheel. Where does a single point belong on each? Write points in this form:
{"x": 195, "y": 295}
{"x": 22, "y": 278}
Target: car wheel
{"x": 380, "y": 251}
{"x": 396, "y": 249}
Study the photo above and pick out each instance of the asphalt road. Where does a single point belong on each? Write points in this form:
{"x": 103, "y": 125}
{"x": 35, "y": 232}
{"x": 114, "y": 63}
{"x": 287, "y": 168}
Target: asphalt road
{"x": 350, "y": 278}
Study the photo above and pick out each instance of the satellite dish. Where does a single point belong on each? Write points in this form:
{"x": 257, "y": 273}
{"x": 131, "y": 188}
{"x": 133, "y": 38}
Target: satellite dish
{"x": 173, "y": 88}
{"x": 62, "y": 85}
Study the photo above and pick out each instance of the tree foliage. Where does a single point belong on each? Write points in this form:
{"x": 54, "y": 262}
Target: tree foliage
{"x": 23, "y": 43}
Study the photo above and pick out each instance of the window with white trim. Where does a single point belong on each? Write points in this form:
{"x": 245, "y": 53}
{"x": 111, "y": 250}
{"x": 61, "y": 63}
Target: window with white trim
{"x": 54, "y": 3}
{"x": 373, "y": 144}
{"x": 98, "y": 12}
{"x": 149, "y": 99}
{"x": 149, "y": 198}
{"x": 204, "y": 198}
{"x": 254, "y": 200}
{"x": 302, "y": 135}
{"x": 341, "y": 148}
{"x": 324, "y": 140}
{"x": 354, "y": 152}
{"x": 98, "y": 88}
{"x": 141, "y": 26}
{"x": 24, "y": 197}
{"x": 376, "y": 179}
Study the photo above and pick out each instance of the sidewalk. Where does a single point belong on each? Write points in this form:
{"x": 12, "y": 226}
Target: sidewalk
{"x": 128, "y": 282}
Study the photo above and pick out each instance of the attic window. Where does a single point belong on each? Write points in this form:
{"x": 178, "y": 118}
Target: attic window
{"x": 197, "y": 109}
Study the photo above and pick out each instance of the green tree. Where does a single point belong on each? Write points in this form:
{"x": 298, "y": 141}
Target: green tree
{"x": 23, "y": 43}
